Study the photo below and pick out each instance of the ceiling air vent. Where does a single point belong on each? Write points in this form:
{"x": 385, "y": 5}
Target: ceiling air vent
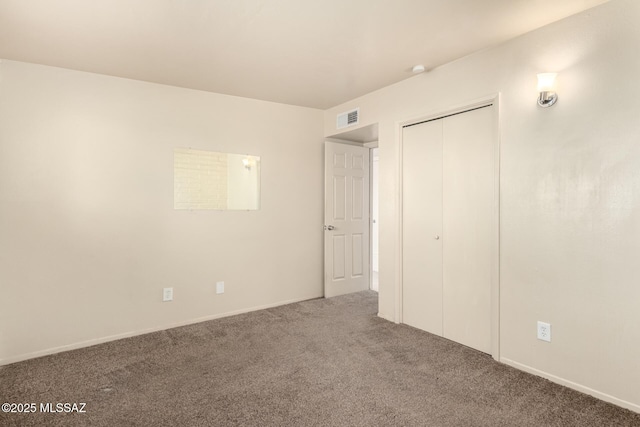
{"x": 349, "y": 118}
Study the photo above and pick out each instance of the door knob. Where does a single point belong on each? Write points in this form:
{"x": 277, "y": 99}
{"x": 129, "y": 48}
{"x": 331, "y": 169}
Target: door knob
{"x": 437, "y": 237}
{"x": 329, "y": 227}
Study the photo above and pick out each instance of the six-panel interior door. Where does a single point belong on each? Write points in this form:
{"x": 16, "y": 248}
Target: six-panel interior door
{"x": 448, "y": 198}
{"x": 346, "y": 213}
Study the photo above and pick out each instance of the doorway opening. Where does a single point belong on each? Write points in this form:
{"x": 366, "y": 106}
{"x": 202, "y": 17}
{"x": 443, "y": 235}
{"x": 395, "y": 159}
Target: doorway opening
{"x": 351, "y": 256}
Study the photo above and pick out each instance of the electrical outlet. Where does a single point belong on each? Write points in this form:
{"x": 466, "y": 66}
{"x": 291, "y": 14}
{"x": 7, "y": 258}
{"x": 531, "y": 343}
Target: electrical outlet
{"x": 220, "y": 288}
{"x": 167, "y": 294}
{"x": 544, "y": 331}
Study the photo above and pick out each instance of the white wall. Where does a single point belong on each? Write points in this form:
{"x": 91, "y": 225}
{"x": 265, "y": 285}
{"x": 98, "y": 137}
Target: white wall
{"x": 570, "y": 192}
{"x": 88, "y": 233}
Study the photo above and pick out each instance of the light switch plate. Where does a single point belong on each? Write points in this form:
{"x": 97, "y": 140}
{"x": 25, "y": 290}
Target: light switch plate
{"x": 220, "y": 288}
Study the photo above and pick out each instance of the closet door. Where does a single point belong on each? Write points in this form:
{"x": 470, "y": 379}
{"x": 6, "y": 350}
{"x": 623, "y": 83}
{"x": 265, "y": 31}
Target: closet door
{"x": 468, "y": 197}
{"x": 422, "y": 226}
{"x": 448, "y": 186}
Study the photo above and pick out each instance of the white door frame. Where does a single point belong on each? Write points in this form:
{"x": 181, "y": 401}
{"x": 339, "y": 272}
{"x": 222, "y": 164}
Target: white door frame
{"x": 371, "y": 146}
{"x": 495, "y": 243}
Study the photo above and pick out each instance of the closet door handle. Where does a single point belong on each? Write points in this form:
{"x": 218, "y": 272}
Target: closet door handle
{"x": 437, "y": 237}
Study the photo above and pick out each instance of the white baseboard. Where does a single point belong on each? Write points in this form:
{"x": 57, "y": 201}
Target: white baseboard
{"x": 579, "y": 387}
{"x": 89, "y": 343}
{"x": 385, "y": 317}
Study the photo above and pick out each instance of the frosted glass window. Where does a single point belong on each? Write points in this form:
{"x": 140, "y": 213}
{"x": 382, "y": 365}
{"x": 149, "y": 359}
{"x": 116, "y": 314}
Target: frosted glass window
{"x": 213, "y": 180}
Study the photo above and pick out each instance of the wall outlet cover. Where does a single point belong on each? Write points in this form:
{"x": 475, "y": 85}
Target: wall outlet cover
{"x": 544, "y": 331}
{"x": 167, "y": 294}
{"x": 220, "y": 288}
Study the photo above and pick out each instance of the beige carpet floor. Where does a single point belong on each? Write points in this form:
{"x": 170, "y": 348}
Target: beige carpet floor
{"x": 323, "y": 362}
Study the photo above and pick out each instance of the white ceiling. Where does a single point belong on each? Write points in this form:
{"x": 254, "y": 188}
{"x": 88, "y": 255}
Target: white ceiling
{"x": 314, "y": 53}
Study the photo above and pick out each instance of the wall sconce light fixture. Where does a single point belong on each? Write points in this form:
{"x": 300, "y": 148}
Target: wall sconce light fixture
{"x": 547, "y": 89}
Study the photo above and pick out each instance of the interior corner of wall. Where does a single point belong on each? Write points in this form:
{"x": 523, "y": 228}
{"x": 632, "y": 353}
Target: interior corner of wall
{"x": 387, "y": 317}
